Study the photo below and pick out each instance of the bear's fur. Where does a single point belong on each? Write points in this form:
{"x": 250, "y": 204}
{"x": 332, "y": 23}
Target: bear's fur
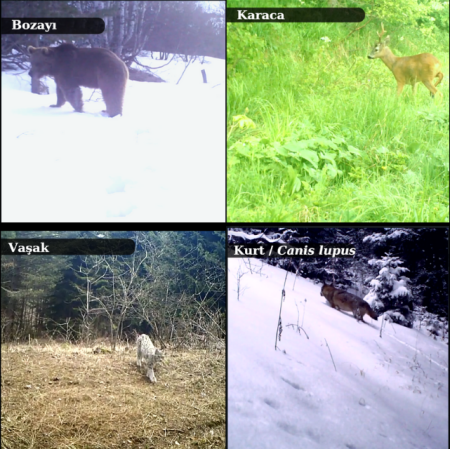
{"x": 72, "y": 67}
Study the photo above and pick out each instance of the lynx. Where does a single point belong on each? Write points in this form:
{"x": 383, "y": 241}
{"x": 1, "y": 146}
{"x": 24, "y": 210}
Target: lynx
{"x": 148, "y": 356}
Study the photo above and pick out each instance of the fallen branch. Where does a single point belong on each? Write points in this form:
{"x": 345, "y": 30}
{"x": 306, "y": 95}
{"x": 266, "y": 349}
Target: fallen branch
{"x": 298, "y": 329}
{"x": 330, "y": 354}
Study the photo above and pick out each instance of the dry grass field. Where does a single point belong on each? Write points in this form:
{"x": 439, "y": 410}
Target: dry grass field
{"x": 63, "y": 396}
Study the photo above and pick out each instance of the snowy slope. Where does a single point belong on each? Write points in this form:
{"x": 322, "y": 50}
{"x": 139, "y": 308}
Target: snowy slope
{"x": 389, "y": 392}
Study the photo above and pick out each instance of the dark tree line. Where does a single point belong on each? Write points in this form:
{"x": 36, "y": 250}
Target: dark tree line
{"x": 404, "y": 270}
{"x": 177, "y": 27}
{"x": 172, "y": 287}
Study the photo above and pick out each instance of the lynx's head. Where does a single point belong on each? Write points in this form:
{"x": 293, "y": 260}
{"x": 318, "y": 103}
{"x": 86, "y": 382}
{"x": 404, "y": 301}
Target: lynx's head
{"x": 159, "y": 355}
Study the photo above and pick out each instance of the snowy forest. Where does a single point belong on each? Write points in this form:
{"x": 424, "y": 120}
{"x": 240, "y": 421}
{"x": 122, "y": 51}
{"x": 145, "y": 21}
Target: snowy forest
{"x": 190, "y": 29}
{"x": 172, "y": 288}
{"x": 401, "y": 272}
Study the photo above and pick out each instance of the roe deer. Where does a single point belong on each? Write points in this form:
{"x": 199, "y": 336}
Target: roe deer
{"x": 409, "y": 69}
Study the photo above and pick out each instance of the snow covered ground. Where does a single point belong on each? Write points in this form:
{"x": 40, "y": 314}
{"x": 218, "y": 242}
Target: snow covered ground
{"x": 163, "y": 160}
{"x": 387, "y": 393}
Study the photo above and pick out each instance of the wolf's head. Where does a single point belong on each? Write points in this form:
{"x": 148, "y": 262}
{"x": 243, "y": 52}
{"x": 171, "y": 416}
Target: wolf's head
{"x": 372, "y": 313}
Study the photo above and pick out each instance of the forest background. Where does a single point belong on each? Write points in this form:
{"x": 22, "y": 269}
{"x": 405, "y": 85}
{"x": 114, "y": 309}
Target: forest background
{"x": 315, "y": 130}
{"x": 172, "y": 288}
{"x": 401, "y": 272}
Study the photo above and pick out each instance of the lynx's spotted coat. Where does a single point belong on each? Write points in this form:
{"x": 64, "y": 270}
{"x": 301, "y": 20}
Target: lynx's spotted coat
{"x": 148, "y": 356}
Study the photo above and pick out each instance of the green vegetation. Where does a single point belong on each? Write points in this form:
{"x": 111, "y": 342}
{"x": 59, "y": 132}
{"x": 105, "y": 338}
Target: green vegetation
{"x": 315, "y": 130}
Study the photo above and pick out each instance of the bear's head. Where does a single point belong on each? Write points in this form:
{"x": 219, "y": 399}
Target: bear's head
{"x": 45, "y": 59}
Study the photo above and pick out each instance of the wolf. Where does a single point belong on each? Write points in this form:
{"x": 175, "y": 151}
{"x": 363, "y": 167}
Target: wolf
{"x": 147, "y": 355}
{"x": 342, "y": 300}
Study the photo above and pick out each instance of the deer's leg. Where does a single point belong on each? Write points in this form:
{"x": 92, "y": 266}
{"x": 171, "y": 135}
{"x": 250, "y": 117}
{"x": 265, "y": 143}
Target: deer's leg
{"x": 431, "y": 88}
{"x": 399, "y": 88}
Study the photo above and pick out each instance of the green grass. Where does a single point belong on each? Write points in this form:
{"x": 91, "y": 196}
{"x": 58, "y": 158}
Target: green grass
{"x": 317, "y": 134}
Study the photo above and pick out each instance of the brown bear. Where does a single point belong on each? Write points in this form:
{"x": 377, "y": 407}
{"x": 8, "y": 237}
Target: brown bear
{"x": 72, "y": 67}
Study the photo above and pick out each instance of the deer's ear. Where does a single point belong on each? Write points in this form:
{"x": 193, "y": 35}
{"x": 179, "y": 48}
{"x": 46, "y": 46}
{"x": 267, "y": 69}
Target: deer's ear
{"x": 387, "y": 40}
